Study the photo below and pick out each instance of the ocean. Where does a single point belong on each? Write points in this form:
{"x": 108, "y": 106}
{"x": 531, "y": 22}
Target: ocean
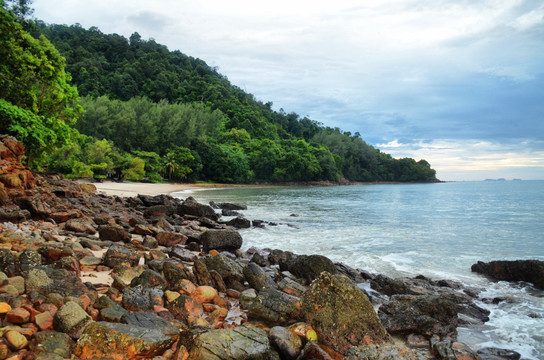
{"x": 437, "y": 230}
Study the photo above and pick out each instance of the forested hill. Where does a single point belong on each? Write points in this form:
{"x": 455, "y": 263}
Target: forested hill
{"x": 186, "y": 120}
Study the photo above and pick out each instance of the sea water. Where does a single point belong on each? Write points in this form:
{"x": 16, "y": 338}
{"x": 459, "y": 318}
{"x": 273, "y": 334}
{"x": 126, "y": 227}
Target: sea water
{"x": 436, "y": 230}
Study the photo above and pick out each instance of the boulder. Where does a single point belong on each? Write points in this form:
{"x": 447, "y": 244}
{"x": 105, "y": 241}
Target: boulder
{"x": 170, "y": 239}
{"x": 257, "y": 278}
{"x": 141, "y": 298}
{"x": 71, "y": 319}
{"x": 288, "y": 344}
{"x": 531, "y": 271}
{"x": 490, "y": 353}
{"x": 192, "y": 207}
{"x": 241, "y": 343}
{"x": 384, "y": 351}
{"x": 52, "y": 342}
{"x": 117, "y": 255}
{"x": 308, "y": 267}
{"x": 150, "y": 279}
{"x": 174, "y": 273}
{"x": 451, "y": 350}
{"x": 274, "y": 307}
{"x": 341, "y": 314}
{"x": 420, "y": 314}
{"x": 150, "y": 321}
{"x": 103, "y": 340}
{"x": 229, "y": 240}
{"x": 227, "y": 206}
{"x": 183, "y": 254}
{"x": 80, "y": 225}
{"x": 114, "y": 233}
{"x": 388, "y": 286}
{"x": 227, "y": 268}
{"x": 239, "y": 222}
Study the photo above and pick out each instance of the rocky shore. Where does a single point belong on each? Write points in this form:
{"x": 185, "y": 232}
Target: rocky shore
{"x": 89, "y": 276}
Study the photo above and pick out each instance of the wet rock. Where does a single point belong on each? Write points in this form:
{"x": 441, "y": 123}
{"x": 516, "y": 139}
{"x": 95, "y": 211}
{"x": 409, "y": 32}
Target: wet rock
{"x": 29, "y": 259}
{"x": 341, "y": 314}
{"x": 162, "y": 199}
{"x": 52, "y": 342}
{"x": 117, "y": 255}
{"x": 13, "y": 213}
{"x": 228, "y": 206}
{"x": 227, "y": 268}
{"x": 229, "y": 240}
{"x": 308, "y": 267}
{"x": 71, "y": 319}
{"x": 420, "y": 314}
{"x": 386, "y": 351}
{"x": 185, "y": 307}
{"x": 36, "y": 205}
{"x": 201, "y": 272}
{"x": 150, "y": 321}
{"x": 114, "y": 233}
{"x": 7, "y": 262}
{"x": 159, "y": 211}
{"x": 226, "y": 212}
{"x": 182, "y": 254}
{"x": 315, "y": 351}
{"x": 80, "y": 225}
{"x": 150, "y": 279}
{"x": 531, "y": 271}
{"x": 388, "y": 286}
{"x": 498, "y": 354}
{"x": 123, "y": 275}
{"x": 175, "y": 273}
{"x": 121, "y": 341}
{"x": 16, "y": 340}
{"x": 18, "y": 316}
{"x": 150, "y": 242}
{"x": 204, "y": 294}
{"x": 191, "y": 207}
{"x": 141, "y": 299}
{"x": 170, "y": 239}
{"x": 257, "y": 278}
{"x": 240, "y": 343}
{"x": 291, "y": 287}
{"x": 274, "y": 307}
{"x": 451, "y": 350}
{"x": 239, "y": 222}
{"x": 288, "y": 344}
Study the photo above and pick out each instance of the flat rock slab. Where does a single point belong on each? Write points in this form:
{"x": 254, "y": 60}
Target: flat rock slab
{"x": 242, "y": 343}
{"x": 103, "y": 340}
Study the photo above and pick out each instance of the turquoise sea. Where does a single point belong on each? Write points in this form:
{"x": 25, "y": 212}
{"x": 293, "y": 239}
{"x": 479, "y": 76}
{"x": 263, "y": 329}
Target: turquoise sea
{"x": 437, "y": 230}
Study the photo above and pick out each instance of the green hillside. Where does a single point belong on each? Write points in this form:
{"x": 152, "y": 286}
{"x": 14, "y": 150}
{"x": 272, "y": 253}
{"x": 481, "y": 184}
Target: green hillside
{"x": 154, "y": 113}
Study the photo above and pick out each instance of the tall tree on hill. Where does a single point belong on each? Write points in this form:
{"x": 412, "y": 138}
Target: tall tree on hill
{"x": 37, "y": 104}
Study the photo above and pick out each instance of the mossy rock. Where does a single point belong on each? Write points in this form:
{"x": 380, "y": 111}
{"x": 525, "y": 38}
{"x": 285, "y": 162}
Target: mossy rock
{"x": 341, "y": 314}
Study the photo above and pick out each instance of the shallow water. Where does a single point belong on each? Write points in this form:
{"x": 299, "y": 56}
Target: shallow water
{"x": 437, "y": 230}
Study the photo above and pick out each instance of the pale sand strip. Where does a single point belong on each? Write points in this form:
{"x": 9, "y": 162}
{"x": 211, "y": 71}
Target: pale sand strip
{"x": 129, "y": 189}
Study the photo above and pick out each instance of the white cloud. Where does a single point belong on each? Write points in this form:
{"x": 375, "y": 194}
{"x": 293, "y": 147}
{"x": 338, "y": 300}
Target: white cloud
{"x": 462, "y": 70}
{"x": 471, "y": 159}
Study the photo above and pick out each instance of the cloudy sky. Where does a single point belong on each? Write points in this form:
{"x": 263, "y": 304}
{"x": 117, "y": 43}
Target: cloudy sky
{"x": 457, "y": 82}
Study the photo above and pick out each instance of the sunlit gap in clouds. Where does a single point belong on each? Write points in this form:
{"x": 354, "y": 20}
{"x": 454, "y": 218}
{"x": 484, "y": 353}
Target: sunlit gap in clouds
{"x": 457, "y": 160}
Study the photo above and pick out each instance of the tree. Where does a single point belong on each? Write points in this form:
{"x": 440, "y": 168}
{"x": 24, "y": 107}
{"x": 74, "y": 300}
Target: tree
{"x": 178, "y": 162}
{"x": 38, "y": 104}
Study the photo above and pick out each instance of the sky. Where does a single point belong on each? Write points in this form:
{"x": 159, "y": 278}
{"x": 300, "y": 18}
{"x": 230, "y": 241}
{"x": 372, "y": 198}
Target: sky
{"x": 459, "y": 83}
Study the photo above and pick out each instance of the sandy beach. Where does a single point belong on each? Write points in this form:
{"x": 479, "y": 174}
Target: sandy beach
{"x": 128, "y": 189}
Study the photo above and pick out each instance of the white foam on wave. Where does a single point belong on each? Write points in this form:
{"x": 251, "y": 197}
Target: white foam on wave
{"x": 515, "y": 323}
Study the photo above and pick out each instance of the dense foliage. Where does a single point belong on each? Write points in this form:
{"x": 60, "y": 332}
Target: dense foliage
{"x": 37, "y": 104}
{"x": 153, "y": 113}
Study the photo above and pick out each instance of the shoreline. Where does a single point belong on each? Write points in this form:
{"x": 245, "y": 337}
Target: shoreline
{"x": 129, "y": 189}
